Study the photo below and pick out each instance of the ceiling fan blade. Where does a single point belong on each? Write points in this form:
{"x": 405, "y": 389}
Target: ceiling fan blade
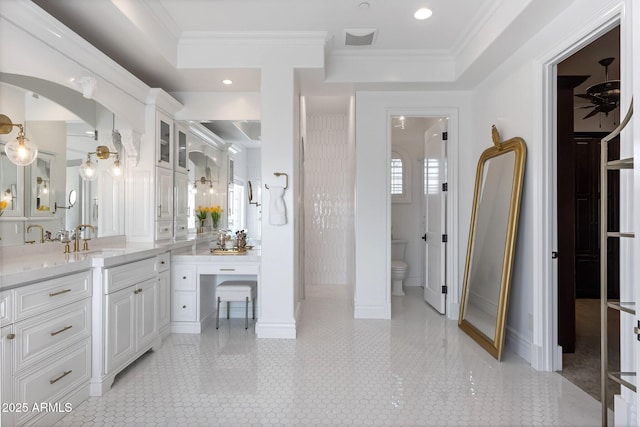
{"x": 591, "y": 114}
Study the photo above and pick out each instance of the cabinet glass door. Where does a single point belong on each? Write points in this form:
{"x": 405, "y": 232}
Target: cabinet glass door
{"x": 164, "y": 143}
{"x": 182, "y": 150}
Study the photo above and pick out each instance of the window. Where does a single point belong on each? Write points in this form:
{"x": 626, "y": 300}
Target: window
{"x": 400, "y": 178}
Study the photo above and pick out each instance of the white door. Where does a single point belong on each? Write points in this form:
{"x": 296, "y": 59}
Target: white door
{"x": 435, "y": 150}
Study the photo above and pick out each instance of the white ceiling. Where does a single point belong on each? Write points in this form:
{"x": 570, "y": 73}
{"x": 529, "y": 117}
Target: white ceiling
{"x": 467, "y": 36}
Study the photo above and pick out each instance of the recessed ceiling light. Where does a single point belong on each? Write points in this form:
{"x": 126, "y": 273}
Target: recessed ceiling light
{"x": 227, "y": 82}
{"x": 423, "y": 13}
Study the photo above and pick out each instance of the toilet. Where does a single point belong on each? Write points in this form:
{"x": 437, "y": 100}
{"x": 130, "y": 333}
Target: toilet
{"x": 398, "y": 266}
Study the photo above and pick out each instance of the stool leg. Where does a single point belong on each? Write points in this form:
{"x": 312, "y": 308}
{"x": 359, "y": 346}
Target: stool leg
{"x": 246, "y": 312}
{"x": 253, "y": 308}
{"x": 228, "y": 309}
{"x": 218, "y": 314}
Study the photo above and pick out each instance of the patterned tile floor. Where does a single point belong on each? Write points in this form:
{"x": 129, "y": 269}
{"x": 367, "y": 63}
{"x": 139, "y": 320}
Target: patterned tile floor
{"x": 416, "y": 369}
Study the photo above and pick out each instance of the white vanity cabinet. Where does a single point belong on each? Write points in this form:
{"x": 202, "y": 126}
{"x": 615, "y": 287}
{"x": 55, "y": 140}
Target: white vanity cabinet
{"x": 181, "y": 209}
{"x": 164, "y": 293}
{"x": 125, "y": 324}
{"x": 46, "y": 348}
{"x": 194, "y": 277}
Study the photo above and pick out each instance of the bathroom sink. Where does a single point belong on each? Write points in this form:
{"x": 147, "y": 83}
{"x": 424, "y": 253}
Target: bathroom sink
{"x": 104, "y": 252}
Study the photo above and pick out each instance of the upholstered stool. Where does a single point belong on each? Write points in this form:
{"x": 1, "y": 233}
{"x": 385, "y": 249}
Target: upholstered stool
{"x": 237, "y": 290}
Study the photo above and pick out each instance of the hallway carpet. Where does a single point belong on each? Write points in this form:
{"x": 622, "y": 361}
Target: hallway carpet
{"x": 583, "y": 366}
{"x": 417, "y": 369}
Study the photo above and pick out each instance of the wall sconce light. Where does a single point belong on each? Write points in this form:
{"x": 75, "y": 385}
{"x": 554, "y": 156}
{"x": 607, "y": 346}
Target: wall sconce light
{"x": 88, "y": 171}
{"x": 20, "y": 152}
{"x": 43, "y": 182}
{"x": 203, "y": 180}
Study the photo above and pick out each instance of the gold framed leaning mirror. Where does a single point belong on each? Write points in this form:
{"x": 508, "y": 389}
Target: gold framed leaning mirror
{"x": 492, "y": 241}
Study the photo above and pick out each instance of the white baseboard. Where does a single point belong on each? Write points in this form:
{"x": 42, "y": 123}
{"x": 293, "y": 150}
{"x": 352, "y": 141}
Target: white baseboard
{"x": 276, "y": 330}
{"x": 518, "y": 344}
{"x": 372, "y": 311}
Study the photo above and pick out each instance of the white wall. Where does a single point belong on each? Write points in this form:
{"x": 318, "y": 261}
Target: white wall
{"x": 512, "y": 98}
{"x": 328, "y": 200}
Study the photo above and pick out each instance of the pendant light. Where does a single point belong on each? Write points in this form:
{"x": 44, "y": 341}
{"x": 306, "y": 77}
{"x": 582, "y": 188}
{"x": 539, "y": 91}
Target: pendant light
{"x": 19, "y": 151}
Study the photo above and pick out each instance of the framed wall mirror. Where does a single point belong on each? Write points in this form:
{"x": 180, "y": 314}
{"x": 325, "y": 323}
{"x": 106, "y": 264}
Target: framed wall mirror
{"x": 492, "y": 240}
{"x": 42, "y": 187}
{"x": 11, "y": 185}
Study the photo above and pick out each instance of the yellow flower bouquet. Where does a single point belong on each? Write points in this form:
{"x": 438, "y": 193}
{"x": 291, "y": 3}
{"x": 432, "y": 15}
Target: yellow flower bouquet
{"x": 201, "y": 213}
{"x": 216, "y": 211}
{"x": 3, "y": 206}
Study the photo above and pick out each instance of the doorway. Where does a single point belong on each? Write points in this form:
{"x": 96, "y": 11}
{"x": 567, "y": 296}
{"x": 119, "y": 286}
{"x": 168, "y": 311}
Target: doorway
{"x": 582, "y": 120}
{"x": 419, "y": 207}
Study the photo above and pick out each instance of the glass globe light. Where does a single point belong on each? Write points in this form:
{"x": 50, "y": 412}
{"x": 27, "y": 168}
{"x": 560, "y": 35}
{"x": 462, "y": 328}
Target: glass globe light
{"x": 116, "y": 170}
{"x": 21, "y": 151}
{"x": 210, "y": 189}
{"x": 87, "y": 171}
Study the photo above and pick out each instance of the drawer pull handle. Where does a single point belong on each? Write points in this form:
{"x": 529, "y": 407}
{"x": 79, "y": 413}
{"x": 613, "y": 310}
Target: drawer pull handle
{"x": 53, "y": 334}
{"x": 162, "y": 262}
{"x": 227, "y": 269}
{"x": 11, "y": 336}
{"x": 184, "y": 277}
{"x": 184, "y": 306}
{"x": 60, "y": 377}
{"x": 64, "y": 291}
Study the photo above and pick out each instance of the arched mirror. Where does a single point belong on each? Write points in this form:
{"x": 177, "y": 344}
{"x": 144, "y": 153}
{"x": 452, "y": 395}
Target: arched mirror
{"x": 65, "y": 127}
{"x": 492, "y": 240}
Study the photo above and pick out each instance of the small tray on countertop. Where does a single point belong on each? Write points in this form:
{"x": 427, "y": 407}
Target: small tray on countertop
{"x": 228, "y": 251}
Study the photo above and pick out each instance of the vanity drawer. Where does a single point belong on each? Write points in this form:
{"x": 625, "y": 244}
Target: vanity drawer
{"x": 52, "y": 380}
{"x": 164, "y": 262}
{"x": 182, "y": 229}
{"x": 234, "y": 269}
{"x": 164, "y": 230}
{"x": 183, "y": 307}
{"x": 6, "y": 307}
{"x": 43, "y": 335}
{"x": 122, "y": 276}
{"x": 183, "y": 278}
{"x": 50, "y": 294}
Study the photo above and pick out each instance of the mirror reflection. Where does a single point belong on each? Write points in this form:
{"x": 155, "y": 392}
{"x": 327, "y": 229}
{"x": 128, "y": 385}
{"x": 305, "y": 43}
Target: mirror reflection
{"x": 9, "y": 184}
{"x": 492, "y": 237}
{"x": 42, "y": 192}
{"x": 50, "y": 192}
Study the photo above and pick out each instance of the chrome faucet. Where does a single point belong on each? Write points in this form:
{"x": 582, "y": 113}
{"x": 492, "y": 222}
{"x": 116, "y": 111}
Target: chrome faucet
{"x": 76, "y": 242}
{"x": 41, "y": 231}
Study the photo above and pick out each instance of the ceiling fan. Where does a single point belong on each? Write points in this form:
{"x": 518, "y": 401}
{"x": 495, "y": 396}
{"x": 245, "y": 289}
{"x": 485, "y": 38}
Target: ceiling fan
{"x": 604, "y": 96}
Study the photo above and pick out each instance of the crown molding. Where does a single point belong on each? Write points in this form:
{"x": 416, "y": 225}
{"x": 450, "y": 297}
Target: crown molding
{"x": 251, "y": 38}
{"x": 46, "y": 29}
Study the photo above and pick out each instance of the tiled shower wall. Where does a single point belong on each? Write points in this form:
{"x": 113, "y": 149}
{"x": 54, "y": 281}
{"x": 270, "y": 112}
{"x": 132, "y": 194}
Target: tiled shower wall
{"x": 328, "y": 200}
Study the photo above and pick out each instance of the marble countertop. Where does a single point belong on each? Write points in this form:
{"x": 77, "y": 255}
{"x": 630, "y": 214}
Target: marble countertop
{"x": 28, "y": 264}
{"x": 204, "y": 255}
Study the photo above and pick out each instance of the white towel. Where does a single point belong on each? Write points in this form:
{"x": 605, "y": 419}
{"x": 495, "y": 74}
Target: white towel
{"x": 277, "y": 209}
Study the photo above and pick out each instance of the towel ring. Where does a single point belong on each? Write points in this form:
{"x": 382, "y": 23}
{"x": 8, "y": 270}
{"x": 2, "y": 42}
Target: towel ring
{"x": 286, "y": 184}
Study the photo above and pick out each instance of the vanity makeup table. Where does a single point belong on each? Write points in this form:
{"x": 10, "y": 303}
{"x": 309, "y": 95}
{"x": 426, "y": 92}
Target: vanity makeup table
{"x": 194, "y": 277}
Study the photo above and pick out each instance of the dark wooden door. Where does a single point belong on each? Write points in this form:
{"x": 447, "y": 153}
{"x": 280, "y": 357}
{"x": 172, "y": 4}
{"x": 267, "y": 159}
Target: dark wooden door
{"x": 566, "y": 213}
{"x": 587, "y": 216}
